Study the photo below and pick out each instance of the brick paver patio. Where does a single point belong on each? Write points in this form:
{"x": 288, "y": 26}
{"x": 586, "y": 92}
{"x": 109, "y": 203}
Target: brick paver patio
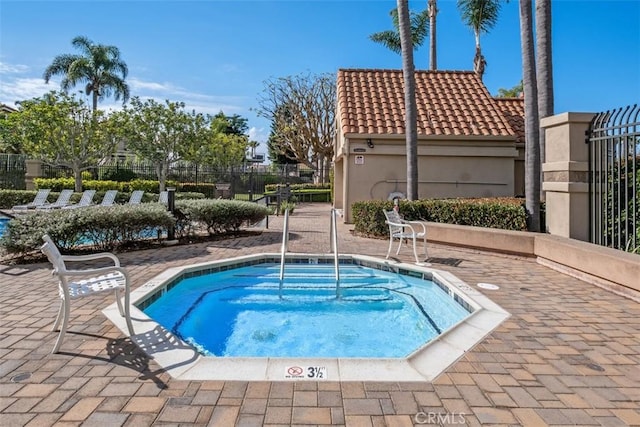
{"x": 569, "y": 355}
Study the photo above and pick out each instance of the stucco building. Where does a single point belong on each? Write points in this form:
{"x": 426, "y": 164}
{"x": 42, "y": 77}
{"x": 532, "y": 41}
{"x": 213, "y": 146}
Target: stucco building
{"x": 469, "y": 143}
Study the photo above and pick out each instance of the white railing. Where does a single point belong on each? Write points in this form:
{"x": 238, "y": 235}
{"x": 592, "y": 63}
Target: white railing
{"x": 285, "y": 248}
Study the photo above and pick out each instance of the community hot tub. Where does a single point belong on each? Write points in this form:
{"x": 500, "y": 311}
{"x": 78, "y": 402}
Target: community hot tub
{"x": 395, "y": 321}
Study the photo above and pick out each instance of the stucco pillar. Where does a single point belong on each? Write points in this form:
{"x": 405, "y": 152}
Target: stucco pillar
{"x": 565, "y": 175}
{"x": 34, "y": 170}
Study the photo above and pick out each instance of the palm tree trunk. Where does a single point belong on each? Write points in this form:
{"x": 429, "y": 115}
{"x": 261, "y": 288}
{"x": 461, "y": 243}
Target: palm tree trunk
{"x": 433, "y": 11}
{"x": 544, "y": 69}
{"x": 95, "y": 100}
{"x": 479, "y": 62}
{"x": 411, "y": 125}
{"x": 531, "y": 121}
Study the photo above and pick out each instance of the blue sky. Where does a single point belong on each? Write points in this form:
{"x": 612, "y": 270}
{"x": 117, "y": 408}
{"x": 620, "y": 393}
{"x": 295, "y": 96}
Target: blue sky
{"x": 216, "y": 55}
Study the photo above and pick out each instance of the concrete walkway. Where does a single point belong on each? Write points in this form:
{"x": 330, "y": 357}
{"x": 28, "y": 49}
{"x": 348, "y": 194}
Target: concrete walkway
{"x": 569, "y": 355}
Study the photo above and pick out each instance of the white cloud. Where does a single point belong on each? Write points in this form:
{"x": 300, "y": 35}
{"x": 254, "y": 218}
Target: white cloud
{"x": 13, "y": 68}
{"x": 14, "y": 86}
{"x": 258, "y": 134}
{"x": 19, "y": 89}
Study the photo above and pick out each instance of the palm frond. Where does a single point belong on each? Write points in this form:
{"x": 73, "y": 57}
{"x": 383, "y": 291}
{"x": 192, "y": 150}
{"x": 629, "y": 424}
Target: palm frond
{"x": 389, "y": 39}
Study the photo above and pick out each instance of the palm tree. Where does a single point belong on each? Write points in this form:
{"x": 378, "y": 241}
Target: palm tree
{"x": 99, "y": 68}
{"x": 531, "y": 120}
{"x": 418, "y": 24}
{"x": 433, "y": 11}
{"x": 544, "y": 69}
{"x": 411, "y": 125}
{"x": 480, "y": 16}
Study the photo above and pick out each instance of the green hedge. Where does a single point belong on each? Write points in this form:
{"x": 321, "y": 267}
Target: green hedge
{"x": 503, "y": 213}
{"x": 208, "y": 190}
{"x": 57, "y": 184}
{"x": 217, "y": 215}
{"x": 116, "y": 227}
{"x": 104, "y": 228}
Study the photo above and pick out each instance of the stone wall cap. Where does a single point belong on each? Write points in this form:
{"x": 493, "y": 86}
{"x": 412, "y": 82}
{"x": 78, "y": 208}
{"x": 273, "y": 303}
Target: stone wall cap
{"x": 563, "y": 118}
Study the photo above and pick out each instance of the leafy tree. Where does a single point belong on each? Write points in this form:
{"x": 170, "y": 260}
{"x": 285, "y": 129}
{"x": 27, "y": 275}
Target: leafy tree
{"x": 411, "y": 124}
{"x": 531, "y": 120}
{"x": 230, "y": 125}
{"x": 99, "y": 67}
{"x": 514, "y": 92}
{"x": 391, "y": 38}
{"x": 61, "y": 131}
{"x": 9, "y": 141}
{"x": 302, "y": 113}
{"x": 480, "y": 16}
{"x": 161, "y": 133}
{"x": 220, "y": 150}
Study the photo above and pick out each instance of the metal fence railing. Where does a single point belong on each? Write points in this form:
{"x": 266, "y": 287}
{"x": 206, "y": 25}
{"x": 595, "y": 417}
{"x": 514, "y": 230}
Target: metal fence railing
{"x": 245, "y": 182}
{"x": 614, "y": 178}
{"x": 12, "y": 171}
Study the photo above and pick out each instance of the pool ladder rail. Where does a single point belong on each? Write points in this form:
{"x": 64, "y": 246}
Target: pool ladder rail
{"x": 333, "y": 236}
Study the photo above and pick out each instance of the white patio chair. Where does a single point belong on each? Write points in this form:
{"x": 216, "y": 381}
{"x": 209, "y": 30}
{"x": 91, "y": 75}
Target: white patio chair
{"x": 85, "y": 200}
{"x": 136, "y": 197}
{"x": 405, "y": 230}
{"x": 39, "y": 200}
{"x": 73, "y": 284}
{"x": 63, "y": 200}
{"x": 109, "y": 198}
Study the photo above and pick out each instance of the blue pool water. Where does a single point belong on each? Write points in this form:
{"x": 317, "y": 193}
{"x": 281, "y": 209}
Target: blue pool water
{"x": 3, "y": 225}
{"x": 242, "y": 313}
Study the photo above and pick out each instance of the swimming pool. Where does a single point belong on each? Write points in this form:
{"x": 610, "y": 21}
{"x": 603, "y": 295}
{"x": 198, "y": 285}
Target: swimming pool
{"x": 3, "y": 225}
{"x": 244, "y": 312}
{"x": 183, "y": 361}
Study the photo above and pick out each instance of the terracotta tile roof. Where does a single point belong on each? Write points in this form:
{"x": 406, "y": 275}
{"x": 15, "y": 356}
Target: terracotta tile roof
{"x": 450, "y": 103}
{"x": 513, "y": 111}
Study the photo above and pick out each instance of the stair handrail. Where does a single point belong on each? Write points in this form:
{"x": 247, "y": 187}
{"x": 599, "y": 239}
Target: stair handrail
{"x": 333, "y": 241}
{"x": 285, "y": 247}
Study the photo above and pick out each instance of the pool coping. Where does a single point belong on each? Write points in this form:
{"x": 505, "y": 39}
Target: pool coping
{"x": 181, "y": 361}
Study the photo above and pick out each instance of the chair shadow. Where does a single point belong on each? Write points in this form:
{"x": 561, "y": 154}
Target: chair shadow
{"x": 133, "y": 352}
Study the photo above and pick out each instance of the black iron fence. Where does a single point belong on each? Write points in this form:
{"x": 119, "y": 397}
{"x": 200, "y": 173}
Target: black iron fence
{"x": 12, "y": 171}
{"x": 244, "y": 182}
{"x": 614, "y": 178}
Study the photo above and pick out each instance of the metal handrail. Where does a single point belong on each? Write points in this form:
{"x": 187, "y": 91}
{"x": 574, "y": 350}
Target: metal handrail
{"x": 333, "y": 236}
{"x": 285, "y": 247}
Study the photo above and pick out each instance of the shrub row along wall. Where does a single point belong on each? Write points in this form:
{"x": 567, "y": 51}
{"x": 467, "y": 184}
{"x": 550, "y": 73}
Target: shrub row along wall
{"x": 502, "y": 213}
{"x": 148, "y": 186}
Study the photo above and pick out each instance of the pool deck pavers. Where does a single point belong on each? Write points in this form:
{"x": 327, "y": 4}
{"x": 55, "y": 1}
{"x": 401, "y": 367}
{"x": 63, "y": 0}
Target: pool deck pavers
{"x": 568, "y": 355}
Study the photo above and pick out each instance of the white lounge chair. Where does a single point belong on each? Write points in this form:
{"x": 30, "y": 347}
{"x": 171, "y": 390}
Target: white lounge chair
{"x": 63, "y": 200}
{"x": 39, "y": 200}
{"x": 109, "y": 198}
{"x": 163, "y": 197}
{"x": 405, "y": 230}
{"x": 136, "y": 197}
{"x": 74, "y": 284}
{"x": 85, "y": 200}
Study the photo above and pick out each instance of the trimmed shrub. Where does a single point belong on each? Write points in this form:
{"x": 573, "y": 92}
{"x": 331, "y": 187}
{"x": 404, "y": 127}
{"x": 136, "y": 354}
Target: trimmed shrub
{"x": 218, "y": 215}
{"x": 104, "y": 228}
{"x": 119, "y": 174}
{"x": 57, "y": 184}
{"x": 208, "y": 190}
{"x": 502, "y": 213}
